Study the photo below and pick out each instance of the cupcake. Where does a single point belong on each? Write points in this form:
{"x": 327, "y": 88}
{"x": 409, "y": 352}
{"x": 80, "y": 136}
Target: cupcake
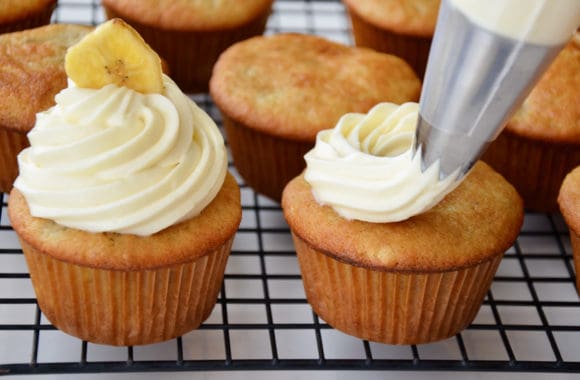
{"x": 123, "y": 205}
{"x": 569, "y": 201}
{"x": 541, "y": 142}
{"x": 31, "y": 74}
{"x": 192, "y": 34}
{"x": 276, "y": 92}
{"x": 400, "y": 27}
{"x": 387, "y": 252}
{"x": 18, "y": 15}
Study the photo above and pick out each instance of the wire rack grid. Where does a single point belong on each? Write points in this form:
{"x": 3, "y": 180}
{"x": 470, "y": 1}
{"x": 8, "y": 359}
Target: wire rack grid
{"x": 530, "y": 319}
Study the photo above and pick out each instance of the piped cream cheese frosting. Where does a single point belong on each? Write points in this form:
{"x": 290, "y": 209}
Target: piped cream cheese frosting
{"x": 116, "y": 160}
{"x": 365, "y": 167}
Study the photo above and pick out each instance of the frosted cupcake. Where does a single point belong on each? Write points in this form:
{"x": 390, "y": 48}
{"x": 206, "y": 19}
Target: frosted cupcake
{"x": 123, "y": 205}
{"x": 389, "y": 253}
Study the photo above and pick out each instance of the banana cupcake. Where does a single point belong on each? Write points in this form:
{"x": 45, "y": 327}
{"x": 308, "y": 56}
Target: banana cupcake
{"x": 123, "y": 205}
{"x": 31, "y": 74}
{"x": 18, "y": 15}
{"x": 276, "y": 92}
{"x": 401, "y": 27}
{"x": 541, "y": 142}
{"x": 387, "y": 252}
{"x": 190, "y": 35}
{"x": 569, "y": 202}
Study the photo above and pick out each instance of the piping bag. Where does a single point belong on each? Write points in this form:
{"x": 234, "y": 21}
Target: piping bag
{"x": 485, "y": 58}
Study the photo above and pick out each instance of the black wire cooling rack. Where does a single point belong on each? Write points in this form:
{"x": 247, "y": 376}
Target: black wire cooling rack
{"x": 530, "y": 319}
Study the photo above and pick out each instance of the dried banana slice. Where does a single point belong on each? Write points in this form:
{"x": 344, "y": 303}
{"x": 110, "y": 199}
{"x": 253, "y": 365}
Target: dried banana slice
{"x": 114, "y": 53}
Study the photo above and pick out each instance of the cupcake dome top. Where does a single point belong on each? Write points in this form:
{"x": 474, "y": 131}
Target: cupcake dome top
{"x": 189, "y": 15}
{"x": 551, "y": 112}
{"x": 479, "y": 220}
{"x": 32, "y": 71}
{"x": 294, "y": 85}
{"x": 413, "y": 17}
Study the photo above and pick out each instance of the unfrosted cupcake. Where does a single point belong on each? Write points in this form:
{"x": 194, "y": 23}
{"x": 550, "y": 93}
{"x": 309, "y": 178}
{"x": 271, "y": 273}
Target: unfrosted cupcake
{"x": 31, "y": 74}
{"x": 569, "y": 202}
{"x": 400, "y": 27}
{"x": 18, "y": 15}
{"x": 276, "y": 92}
{"x": 123, "y": 205}
{"x": 190, "y": 35}
{"x": 382, "y": 257}
{"x": 541, "y": 143}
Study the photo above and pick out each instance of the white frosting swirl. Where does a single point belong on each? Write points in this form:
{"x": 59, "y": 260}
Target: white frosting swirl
{"x": 116, "y": 160}
{"x": 364, "y": 168}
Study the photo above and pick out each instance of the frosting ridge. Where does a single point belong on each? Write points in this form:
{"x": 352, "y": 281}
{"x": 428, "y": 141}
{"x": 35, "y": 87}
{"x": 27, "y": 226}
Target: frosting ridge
{"x": 365, "y": 169}
{"x": 116, "y": 160}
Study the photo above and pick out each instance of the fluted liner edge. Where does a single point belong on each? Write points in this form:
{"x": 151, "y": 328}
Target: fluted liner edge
{"x": 11, "y": 143}
{"x": 393, "y": 307}
{"x": 40, "y": 18}
{"x": 412, "y": 49}
{"x": 266, "y": 163}
{"x": 126, "y": 308}
{"x": 535, "y": 168}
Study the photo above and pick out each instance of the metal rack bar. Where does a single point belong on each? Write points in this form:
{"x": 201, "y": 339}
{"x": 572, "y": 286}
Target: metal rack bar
{"x": 419, "y": 358}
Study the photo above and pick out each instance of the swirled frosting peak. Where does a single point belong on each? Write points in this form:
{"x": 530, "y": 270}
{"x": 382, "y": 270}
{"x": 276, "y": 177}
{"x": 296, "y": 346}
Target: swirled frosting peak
{"x": 116, "y": 160}
{"x": 365, "y": 168}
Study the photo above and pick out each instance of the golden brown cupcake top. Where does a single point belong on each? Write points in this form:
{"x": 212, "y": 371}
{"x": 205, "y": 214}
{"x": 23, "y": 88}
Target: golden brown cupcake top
{"x": 477, "y": 221}
{"x": 12, "y": 10}
{"x": 190, "y": 14}
{"x": 294, "y": 85}
{"x": 569, "y": 199}
{"x": 413, "y": 17}
{"x": 552, "y": 110}
{"x": 32, "y": 71}
{"x": 177, "y": 244}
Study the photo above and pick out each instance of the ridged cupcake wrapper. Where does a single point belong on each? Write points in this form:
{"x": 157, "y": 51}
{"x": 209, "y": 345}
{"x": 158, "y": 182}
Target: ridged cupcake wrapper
{"x": 414, "y": 50}
{"x": 126, "y": 307}
{"x": 11, "y": 143}
{"x": 391, "y": 307}
{"x": 191, "y": 55}
{"x": 536, "y": 169}
{"x": 265, "y": 162}
{"x": 31, "y": 21}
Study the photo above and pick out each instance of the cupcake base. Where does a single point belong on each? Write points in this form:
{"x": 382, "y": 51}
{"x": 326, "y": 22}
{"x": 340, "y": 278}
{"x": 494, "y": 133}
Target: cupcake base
{"x": 392, "y": 307}
{"x": 575, "y": 241}
{"x": 413, "y": 49}
{"x": 11, "y": 143}
{"x": 39, "y": 18}
{"x": 126, "y": 308}
{"x": 546, "y": 164}
{"x": 124, "y": 289}
{"x": 191, "y": 55}
{"x": 266, "y": 163}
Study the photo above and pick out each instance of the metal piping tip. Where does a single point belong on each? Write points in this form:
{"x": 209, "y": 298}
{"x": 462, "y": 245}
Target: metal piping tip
{"x": 455, "y": 152}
